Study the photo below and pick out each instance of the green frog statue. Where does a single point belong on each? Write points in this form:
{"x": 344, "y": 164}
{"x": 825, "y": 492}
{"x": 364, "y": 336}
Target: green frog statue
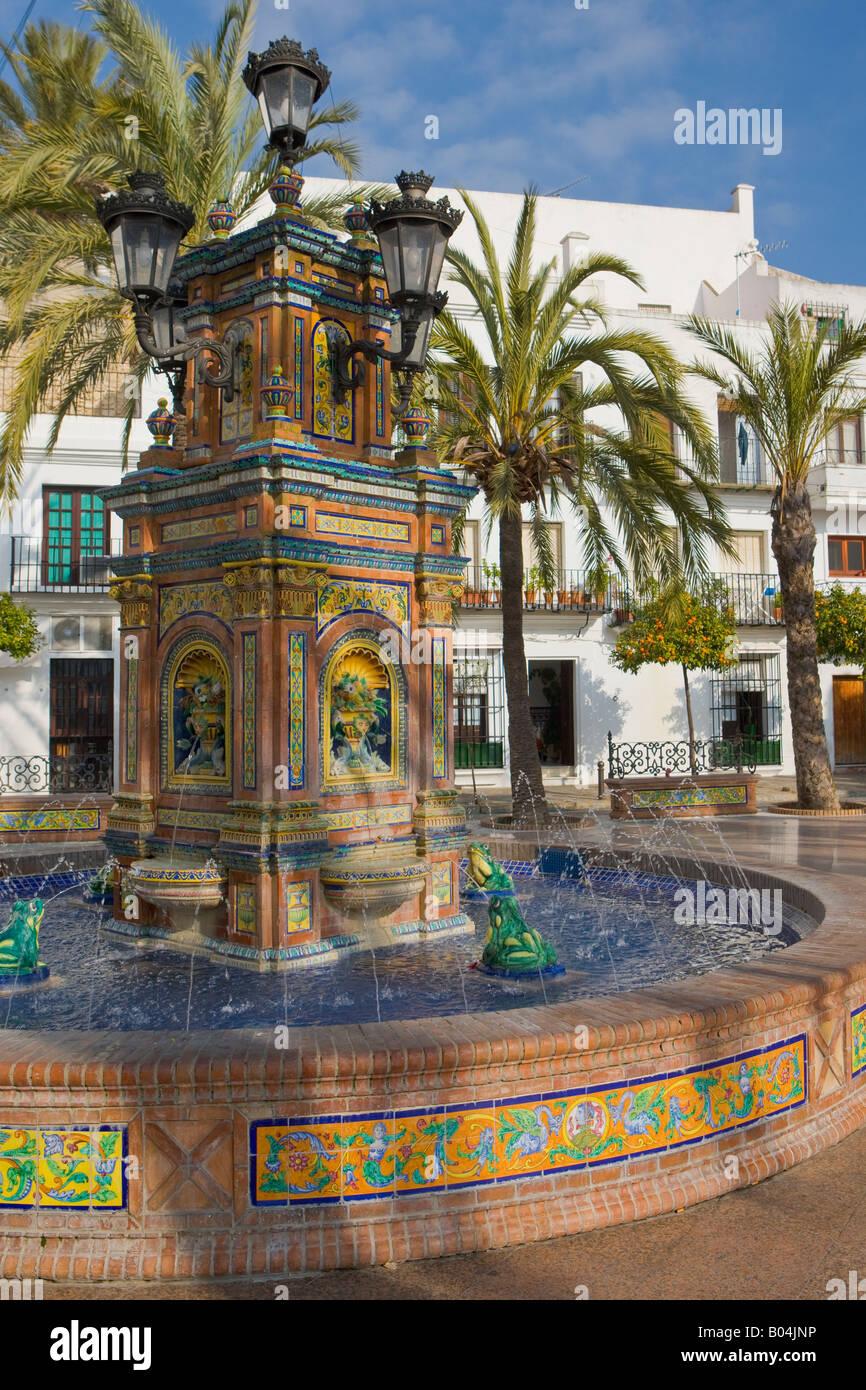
{"x": 511, "y": 947}
{"x": 19, "y": 944}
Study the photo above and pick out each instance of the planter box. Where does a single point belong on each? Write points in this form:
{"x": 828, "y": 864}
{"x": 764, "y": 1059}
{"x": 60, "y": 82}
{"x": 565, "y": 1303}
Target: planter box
{"x": 712, "y": 794}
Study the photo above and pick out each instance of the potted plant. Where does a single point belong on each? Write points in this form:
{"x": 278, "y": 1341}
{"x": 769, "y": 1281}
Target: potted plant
{"x": 533, "y": 578}
{"x": 492, "y": 579}
{"x": 778, "y": 607}
{"x": 576, "y": 597}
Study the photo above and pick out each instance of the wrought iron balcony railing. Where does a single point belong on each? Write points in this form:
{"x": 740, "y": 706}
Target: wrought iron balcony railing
{"x": 743, "y": 464}
{"x": 658, "y": 759}
{"x": 754, "y": 599}
{"x": 72, "y": 772}
{"x": 574, "y": 592}
{"x": 37, "y": 567}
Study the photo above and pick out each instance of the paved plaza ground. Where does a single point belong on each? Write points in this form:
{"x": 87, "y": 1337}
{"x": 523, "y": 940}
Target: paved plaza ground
{"x": 784, "y": 1238}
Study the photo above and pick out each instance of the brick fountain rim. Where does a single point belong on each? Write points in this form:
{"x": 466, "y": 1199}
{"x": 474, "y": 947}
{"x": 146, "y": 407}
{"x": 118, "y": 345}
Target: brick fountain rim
{"x": 153, "y": 1080}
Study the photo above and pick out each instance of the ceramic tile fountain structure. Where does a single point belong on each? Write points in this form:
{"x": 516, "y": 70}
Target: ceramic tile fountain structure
{"x": 262, "y": 566}
{"x": 285, "y": 782}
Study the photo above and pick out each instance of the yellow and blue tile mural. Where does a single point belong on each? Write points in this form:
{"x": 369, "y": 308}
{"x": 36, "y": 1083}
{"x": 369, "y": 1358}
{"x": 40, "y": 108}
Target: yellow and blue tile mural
{"x": 59, "y": 1166}
{"x": 858, "y": 1040}
{"x": 383, "y": 1154}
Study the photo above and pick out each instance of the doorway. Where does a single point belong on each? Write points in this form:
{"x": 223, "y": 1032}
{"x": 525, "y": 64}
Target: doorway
{"x": 551, "y": 703}
{"x": 82, "y": 720}
{"x": 849, "y": 719}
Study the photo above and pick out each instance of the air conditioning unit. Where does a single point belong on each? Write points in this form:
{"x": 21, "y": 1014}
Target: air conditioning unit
{"x": 95, "y": 570}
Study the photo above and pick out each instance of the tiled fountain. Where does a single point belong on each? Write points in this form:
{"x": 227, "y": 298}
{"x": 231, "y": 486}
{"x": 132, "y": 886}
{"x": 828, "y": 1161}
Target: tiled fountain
{"x": 284, "y": 799}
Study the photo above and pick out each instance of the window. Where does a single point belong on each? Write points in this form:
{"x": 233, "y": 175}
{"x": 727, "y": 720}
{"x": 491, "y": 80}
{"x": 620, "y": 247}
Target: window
{"x": 845, "y": 555}
{"x": 746, "y": 703}
{"x": 750, "y": 554}
{"x": 843, "y": 442}
{"x": 74, "y": 530}
{"x": 479, "y": 710}
{"x": 554, "y": 531}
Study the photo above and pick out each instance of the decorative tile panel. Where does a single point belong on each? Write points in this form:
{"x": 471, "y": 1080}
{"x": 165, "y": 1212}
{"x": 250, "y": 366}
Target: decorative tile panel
{"x": 210, "y": 598}
{"x": 387, "y": 1154}
{"x": 297, "y": 908}
{"x": 249, "y": 711}
{"x": 297, "y": 709}
{"x": 82, "y": 1167}
{"x": 437, "y": 678}
{"x": 297, "y": 516}
{"x": 341, "y": 596}
{"x": 363, "y": 527}
{"x": 299, "y": 367}
{"x": 251, "y": 516}
{"x": 689, "y": 796}
{"x": 245, "y": 909}
{"x": 366, "y": 817}
{"x": 194, "y": 820}
{"x": 55, "y": 818}
{"x": 380, "y": 397}
{"x": 437, "y": 535}
{"x": 858, "y": 1040}
{"x": 131, "y": 720}
{"x": 224, "y": 524}
{"x": 441, "y": 888}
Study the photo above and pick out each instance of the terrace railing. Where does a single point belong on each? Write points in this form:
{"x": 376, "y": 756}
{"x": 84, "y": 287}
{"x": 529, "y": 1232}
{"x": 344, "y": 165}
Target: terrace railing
{"x": 657, "y": 759}
{"x": 72, "y": 772}
{"x": 574, "y": 592}
{"x": 40, "y": 568}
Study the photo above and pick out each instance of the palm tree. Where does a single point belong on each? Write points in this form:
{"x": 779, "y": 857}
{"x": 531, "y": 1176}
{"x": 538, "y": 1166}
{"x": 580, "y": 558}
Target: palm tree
{"x": 69, "y": 133}
{"x": 516, "y": 422}
{"x": 792, "y": 393}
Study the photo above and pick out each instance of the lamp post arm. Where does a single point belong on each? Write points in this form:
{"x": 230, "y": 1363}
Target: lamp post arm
{"x": 193, "y": 348}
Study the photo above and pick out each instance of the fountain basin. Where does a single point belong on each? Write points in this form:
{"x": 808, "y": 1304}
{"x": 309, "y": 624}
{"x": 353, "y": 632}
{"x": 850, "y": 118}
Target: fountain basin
{"x": 180, "y": 891}
{"x": 360, "y": 1144}
{"x": 365, "y": 885}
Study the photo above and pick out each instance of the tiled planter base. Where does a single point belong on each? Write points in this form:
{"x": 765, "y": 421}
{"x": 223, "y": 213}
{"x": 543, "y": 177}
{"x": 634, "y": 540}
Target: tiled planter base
{"x": 765, "y": 1063}
{"x": 714, "y": 794}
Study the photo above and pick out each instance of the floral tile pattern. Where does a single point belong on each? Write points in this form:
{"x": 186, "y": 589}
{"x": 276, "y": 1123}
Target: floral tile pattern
{"x": 391, "y": 1154}
{"x": 60, "y": 1167}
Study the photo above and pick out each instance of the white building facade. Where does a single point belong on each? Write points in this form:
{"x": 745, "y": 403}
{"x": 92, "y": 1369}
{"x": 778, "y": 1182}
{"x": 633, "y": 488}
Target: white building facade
{"x": 55, "y": 549}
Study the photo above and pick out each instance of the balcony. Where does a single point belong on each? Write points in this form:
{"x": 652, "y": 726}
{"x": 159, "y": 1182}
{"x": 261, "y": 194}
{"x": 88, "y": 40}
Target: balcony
{"x": 574, "y": 593}
{"x": 754, "y": 598}
{"x": 743, "y": 465}
{"x": 39, "y": 568}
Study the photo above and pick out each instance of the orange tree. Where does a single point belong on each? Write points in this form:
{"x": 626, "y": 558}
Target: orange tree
{"x": 840, "y": 622}
{"x": 676, "y": 628}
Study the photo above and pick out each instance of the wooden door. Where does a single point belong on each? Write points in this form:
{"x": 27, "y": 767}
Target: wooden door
{"x": 849, "y": 719}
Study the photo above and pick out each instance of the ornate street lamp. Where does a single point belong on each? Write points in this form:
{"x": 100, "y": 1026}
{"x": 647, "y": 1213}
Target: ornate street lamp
{"x": 413, "y": 235}
{"x": 146, "y": 228}
{"x": 286, "y": 82}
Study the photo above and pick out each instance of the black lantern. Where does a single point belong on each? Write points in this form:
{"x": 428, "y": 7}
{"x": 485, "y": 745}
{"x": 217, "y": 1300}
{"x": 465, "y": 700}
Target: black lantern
{"x": 286, "y": 82}
{"x": 413, "y": 235}
{"x": 146, "y": 227}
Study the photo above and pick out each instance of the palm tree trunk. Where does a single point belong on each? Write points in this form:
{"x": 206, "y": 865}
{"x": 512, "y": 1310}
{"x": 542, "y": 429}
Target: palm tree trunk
{"x": 528, "y": 802}
{"x": 794, "y": 548}
{"x": 689, "y": 716}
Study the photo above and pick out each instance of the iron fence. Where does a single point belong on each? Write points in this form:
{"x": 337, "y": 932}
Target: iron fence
{"x": 657, "y": 759}
{"x": 71, "y": 772}
{"x": 574, "y": 592}
{"x": 36, "y": 567}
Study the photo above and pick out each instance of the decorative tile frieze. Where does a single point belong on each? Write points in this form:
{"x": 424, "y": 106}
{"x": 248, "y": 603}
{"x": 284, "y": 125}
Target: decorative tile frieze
{"x": 438, "y": 595}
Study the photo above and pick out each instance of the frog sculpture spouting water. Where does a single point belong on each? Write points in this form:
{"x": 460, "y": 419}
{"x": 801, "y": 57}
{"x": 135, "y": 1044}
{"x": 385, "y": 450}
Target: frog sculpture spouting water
{"x": 19, "y": 945}
{"x": 511, "y": 947}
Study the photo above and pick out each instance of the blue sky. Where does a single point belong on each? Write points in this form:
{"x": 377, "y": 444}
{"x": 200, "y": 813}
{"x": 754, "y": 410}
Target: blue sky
{"x": 536, "y": 91}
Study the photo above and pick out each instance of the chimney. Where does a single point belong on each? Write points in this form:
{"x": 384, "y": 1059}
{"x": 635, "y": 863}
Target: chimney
{"x": 572, "y": 250}
{"x": 744, "y": 204}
